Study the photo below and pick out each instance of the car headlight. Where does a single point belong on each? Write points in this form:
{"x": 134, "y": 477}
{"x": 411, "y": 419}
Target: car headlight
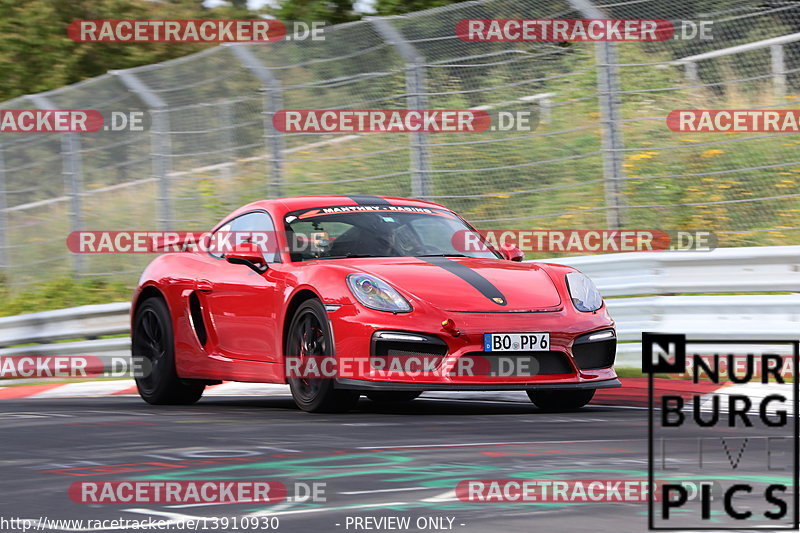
{"x": 376, "y": 294}
{"x": 585, "y": 296}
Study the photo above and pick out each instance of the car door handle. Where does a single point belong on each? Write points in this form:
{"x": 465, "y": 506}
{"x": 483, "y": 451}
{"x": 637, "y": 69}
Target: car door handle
{"x": 204, "y": 285}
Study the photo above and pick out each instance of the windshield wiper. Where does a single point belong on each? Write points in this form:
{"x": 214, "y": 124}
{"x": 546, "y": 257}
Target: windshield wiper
{"x": 441, "y": 255}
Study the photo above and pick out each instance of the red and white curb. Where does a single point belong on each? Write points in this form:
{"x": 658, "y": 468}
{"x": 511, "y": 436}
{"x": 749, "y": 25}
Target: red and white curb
{"x": 126, "y": 387}
{"x": 633, "y": 392}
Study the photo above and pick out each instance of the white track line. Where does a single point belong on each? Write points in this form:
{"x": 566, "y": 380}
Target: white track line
{"x": 86, "y": 389}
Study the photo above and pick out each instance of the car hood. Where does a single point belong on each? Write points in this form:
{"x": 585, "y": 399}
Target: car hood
{"x": 469, "y": 284}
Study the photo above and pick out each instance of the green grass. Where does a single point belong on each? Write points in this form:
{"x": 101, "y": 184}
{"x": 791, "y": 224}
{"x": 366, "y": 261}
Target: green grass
{"x": 61, "y": 293}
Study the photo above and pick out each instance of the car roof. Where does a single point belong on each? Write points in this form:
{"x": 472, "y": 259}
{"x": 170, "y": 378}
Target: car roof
{"x": 280, "y": 206}
{"x": 294, "y": 203}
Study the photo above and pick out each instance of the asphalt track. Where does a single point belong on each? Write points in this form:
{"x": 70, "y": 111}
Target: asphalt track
{"x": 376, "y": 461}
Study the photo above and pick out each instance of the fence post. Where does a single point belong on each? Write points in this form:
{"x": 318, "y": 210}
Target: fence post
{"x": 160, "y": 145}
{"x": 227, "y": 142}
{"x": 273, "y": 102}
{"x": 778, "y": 70}
{"x": 610, "y": 115}
{"x": 421, "y": 186}
{"x": 73, "y": 178}
{"x": 4, "y": 255}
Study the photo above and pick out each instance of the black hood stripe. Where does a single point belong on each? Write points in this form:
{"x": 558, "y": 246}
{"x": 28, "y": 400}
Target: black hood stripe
{"x": 481, "y": 284}
{"x": 366, "y": 199}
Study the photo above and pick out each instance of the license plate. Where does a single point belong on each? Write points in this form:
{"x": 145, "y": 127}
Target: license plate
{"x": 516, "y": 342}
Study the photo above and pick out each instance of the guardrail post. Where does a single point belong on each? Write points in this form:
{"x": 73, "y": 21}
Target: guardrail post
{"x": 273, "y": 102}
{"x": 610, "y": 116}
{"x": 160, "y": 145}
{"x": 4, "y": 255}
{"x": 692, "y": 76}
{"x": 778, "y": 70}
{"x": 73, "y": 178}
{"x": 421, "y": 186}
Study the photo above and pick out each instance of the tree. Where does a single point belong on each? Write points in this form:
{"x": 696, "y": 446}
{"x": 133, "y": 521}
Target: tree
{"x": 330, "y": 11}
{"x": 400, "y": 7}
{"x": 36, "y": 55}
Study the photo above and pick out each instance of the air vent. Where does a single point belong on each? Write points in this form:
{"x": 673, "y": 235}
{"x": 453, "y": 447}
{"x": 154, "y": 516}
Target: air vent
{"x": 595, "y": 350}
{"x": 199, "y": 325}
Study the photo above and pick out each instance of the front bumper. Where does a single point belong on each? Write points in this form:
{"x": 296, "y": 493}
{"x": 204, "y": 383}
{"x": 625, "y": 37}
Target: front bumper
{"x": 354, "y": 329}
{"x": 363, "y": 385}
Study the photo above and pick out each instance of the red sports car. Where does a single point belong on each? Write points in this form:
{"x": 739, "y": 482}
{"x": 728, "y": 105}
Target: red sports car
{"x": 366, "y": 295}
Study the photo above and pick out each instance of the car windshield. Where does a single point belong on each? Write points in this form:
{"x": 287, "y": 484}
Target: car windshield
{"x": 380, "y": 231}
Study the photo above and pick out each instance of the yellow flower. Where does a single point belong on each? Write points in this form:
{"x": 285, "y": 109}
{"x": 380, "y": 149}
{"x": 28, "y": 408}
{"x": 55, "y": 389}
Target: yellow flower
{"x": 646, "y": 155}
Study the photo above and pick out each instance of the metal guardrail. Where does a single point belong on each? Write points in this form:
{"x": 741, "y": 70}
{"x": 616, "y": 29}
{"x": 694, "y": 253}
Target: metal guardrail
{"x": 655, "y": 291}
{"x": 777, "y": 59}
{"x": 39, "y": 333}
{"x": 725, "y": 270}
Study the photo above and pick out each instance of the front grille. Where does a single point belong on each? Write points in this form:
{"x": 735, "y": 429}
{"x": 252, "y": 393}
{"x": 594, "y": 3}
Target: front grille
{"x": 518, "y": 363}
{"x": 399, "y": 348}
{"x": 593, "y": 355}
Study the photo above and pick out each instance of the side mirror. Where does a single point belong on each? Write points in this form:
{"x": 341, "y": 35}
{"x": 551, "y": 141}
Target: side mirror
{"x": 247, "y": 254}
{"x": 511, "y": 252}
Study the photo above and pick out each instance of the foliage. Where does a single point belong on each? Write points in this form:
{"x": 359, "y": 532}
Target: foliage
{"x": 330, "y": 11}
{"x": 36, "y": 55}
{"x": 60, "y": 293}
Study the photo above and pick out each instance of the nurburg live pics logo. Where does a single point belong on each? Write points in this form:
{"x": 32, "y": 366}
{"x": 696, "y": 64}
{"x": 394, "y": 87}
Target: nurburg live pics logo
{"x": 737, "y": 431}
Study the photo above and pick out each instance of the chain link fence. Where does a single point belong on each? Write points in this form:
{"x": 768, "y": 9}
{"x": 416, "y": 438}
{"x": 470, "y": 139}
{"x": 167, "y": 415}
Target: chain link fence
{"x": 601, "y": 156}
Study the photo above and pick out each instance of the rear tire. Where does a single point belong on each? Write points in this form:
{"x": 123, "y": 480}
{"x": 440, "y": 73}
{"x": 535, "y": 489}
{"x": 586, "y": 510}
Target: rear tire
{"x": 393, "y": 396}
{"x": 561, "y": 400}
{"x": 153, "y": 345}
{"x": 310, "y": 336}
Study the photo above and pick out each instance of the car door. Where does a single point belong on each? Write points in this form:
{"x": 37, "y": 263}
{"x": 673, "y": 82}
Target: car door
{"x": 241, "y": 302}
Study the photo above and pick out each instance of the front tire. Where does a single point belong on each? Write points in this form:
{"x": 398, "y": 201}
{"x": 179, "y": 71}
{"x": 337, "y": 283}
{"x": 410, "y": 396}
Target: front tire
{"x": 561, "y": 400}
{"x": 310, "y": 337}
{"x": 153, "y": 347}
